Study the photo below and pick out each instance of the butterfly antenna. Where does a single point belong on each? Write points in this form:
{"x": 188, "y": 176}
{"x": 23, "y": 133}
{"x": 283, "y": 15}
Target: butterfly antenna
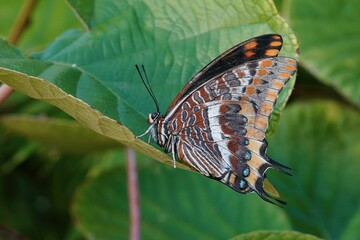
{"x": 147, "y": 80}
{"x": 147, "y": 85}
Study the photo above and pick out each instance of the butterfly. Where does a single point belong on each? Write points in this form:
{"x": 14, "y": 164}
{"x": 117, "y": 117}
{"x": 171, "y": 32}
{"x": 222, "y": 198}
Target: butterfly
{"x": 217, "y": 123}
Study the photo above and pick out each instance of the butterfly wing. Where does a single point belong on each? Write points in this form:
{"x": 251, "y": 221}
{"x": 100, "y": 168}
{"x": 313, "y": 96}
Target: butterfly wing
{"x": 221, "y": 125}
{"x": 263, "y": 46}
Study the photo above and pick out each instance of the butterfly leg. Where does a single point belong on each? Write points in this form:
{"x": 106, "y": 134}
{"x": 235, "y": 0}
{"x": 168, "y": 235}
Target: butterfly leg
{"x": 173, "y": 150}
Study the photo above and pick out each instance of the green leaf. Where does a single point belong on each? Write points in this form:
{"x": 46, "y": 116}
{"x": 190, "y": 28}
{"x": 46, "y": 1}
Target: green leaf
{"x": 329, "y": 36}
{"x": 82, "y": 112}
{"x": 109, "y": 215}
{"x": 48, "y": 20}
{"x": 320, "y": 141}
{"x": 46, "y": 183}
{"x": 175, "y": 204}
{"x": 65, "y": 135}
{"x": 19, "y": 157}
{"x": 173, "y": 39}
{"x": 84, "y": 9}
{"x": 9, "y": 12}
{"x": 353, "y": 228}
{"x": 9, "y": 52}
{"x": 275, "y": 235}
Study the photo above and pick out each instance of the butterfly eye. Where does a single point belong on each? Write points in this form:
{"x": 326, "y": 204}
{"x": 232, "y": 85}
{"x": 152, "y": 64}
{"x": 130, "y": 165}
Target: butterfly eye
{"x": 152, "y": 117}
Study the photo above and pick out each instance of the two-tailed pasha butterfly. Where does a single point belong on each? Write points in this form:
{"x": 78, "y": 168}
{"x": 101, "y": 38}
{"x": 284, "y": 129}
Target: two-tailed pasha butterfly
{"x": 217, "y": 123}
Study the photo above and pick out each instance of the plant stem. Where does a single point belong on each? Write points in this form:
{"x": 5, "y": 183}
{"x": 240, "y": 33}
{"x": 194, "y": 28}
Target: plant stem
{"x": 5, "y": 92}
{"x": 133, "y": 194}
{"x": 16, "y": 31}
{"x": 21, "y": 21}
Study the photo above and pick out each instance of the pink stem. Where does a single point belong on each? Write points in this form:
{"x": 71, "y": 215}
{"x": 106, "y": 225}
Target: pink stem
{"x": 133, "y": 195}
{"x": 5, "y": 92}
{"x": 17, "y": 30}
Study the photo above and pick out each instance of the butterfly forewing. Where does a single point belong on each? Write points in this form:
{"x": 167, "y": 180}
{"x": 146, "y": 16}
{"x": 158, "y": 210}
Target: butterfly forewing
{"x": 218, "y": 121}
{"x": 259, "y": 47}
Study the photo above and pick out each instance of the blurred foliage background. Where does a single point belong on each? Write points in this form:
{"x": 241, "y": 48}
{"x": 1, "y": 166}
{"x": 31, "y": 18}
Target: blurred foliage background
{"x": 60, "y": 180}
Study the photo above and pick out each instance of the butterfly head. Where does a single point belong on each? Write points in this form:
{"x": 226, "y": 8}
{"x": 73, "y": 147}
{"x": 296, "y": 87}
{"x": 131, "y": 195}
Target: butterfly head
{"x": 157, "y": 130}
{"x": 153, "y": 117}
{"x": 154, "y": 120}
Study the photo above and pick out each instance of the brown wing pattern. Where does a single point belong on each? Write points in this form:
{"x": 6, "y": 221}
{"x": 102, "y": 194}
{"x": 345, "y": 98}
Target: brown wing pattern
{"x": 221, "y": 126}
{"x": 268, "y": 45}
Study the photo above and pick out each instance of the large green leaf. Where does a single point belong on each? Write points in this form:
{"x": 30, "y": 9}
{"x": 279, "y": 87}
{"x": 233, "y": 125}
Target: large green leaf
{"x": 320, "y": 141}
{"x": 175, "y": 204}
{"x": 81, "y": 111}
{"x": 275, "y": 235}
{"x": 35, "y": 197}
{"x": 353, "y": 228}
{"x": 174, "y": 39}
{"x": 329, "y": 34}
{"x": 65, "y": 135}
